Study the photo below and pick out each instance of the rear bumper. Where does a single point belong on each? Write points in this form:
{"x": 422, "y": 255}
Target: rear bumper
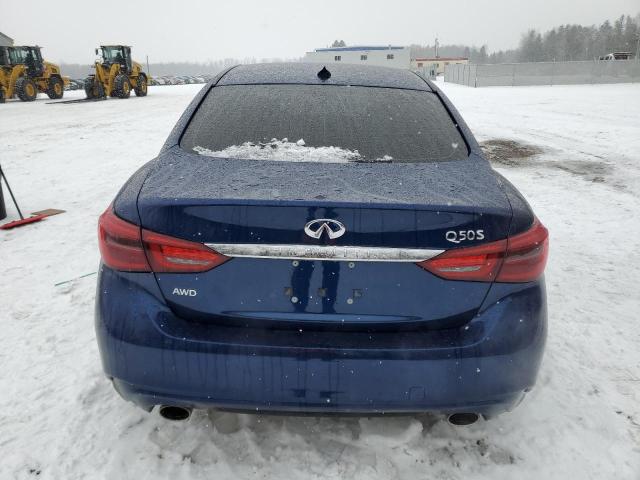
{"x": 157, "y": 358}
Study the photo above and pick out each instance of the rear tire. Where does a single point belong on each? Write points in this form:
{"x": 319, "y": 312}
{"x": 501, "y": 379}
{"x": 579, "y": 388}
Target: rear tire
{"x": 55, "y": 88}
{"x": 26, "y": 89}
{"x": 122, "y": 86}
{"x": 141, "y": 87}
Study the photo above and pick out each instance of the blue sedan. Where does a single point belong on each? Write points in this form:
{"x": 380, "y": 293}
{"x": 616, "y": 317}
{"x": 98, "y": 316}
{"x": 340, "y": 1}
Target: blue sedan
{"x": 321, "y": 240}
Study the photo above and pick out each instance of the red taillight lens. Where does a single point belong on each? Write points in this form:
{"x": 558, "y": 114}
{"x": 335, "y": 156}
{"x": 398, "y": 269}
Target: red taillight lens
{"x": 479, "y": 264}
{"x": 120, "y": 244}
{"x": 172, "y": 255}
{"x": 521, "y": 258}
{"x": 526, "y": 256}
{"x": 126, "y": 247}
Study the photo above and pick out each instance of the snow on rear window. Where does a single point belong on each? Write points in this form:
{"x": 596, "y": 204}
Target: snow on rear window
{"x": 337, "y": 123}
{"x": 286, "y": 151}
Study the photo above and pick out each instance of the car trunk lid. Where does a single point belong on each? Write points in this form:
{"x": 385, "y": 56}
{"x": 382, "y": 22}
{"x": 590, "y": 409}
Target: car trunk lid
{"x": 394, "y": 215}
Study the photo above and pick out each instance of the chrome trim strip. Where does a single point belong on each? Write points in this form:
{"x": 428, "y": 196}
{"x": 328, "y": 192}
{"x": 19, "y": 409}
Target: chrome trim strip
{"x": 324, "y": 252}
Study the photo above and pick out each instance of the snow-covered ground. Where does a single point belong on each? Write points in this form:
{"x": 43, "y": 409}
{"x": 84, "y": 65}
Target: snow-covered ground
{"x": 61, "y": 419}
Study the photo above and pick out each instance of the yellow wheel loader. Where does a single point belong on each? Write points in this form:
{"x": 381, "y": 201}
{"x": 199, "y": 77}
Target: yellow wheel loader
{"x": 24, "y": 73}
{"x": 116, "y": 74}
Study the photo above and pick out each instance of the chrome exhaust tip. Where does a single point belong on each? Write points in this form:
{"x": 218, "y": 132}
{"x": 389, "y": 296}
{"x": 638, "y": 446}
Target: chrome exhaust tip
{"x": 463, "y": 419}
{"x": 176, "y": 414}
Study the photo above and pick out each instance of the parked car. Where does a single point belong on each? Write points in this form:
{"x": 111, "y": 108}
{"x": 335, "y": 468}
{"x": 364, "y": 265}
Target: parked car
{"x": 322, "y": 242}
{"x": 617, "y": 56}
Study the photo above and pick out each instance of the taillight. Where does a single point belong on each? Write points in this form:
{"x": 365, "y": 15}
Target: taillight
{"x": 126, "y": 247}
{"x": 480, "y": 264}
{"x": 172, "y": 255}
{"x": 527, "y": 255}
{"x": 521, "y": 258}
{"x": 120, "y": 244}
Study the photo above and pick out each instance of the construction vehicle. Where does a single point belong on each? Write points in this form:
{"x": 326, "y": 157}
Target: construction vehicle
{"x": 24, "y": 73}
{"x": 116, "y": 74}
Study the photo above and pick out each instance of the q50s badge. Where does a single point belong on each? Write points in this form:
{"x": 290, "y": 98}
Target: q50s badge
{"x": 459, "y": 236}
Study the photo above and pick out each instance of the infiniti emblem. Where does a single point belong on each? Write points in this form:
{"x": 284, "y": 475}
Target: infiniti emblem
{"x": 315, "y": 228}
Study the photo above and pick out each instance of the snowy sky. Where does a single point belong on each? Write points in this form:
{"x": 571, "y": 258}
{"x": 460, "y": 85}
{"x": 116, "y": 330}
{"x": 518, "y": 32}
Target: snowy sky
{"x": 200, "y": 30}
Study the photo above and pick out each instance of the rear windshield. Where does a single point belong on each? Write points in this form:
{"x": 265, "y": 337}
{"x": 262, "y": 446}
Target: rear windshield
{"x": 323, "y": 123}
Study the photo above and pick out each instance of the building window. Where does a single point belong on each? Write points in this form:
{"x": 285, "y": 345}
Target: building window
{"x": 390, "y": 56}
{"x": 337, "y": 58}
{"x": 363, "y": 57}
{"x": 420, "y": 64}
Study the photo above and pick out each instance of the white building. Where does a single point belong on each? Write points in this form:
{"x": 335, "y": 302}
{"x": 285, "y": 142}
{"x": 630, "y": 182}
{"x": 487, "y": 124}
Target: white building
{"x": 5, "y": 41}
{"x": 397, "y": 57}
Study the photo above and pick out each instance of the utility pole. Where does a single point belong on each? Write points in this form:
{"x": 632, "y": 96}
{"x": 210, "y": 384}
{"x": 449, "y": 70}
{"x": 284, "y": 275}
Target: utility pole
{"x": 148, "y": 71}
{"x": 437, "y": 45}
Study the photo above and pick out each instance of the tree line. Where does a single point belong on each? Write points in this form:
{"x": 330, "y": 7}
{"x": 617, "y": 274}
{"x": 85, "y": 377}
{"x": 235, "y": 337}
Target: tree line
{"x": 562, "y": 43}
{"x": 575, "y": 42}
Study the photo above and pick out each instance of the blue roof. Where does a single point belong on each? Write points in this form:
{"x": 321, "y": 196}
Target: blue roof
{"x": 307, "y": 73}
{"x": 357, "y": 48}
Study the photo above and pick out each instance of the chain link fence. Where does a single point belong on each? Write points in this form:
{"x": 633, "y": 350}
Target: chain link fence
{"x": 544, "y": 73}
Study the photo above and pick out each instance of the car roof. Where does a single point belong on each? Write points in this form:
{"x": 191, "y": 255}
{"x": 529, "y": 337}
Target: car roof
{"x": 307, "y": 74}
